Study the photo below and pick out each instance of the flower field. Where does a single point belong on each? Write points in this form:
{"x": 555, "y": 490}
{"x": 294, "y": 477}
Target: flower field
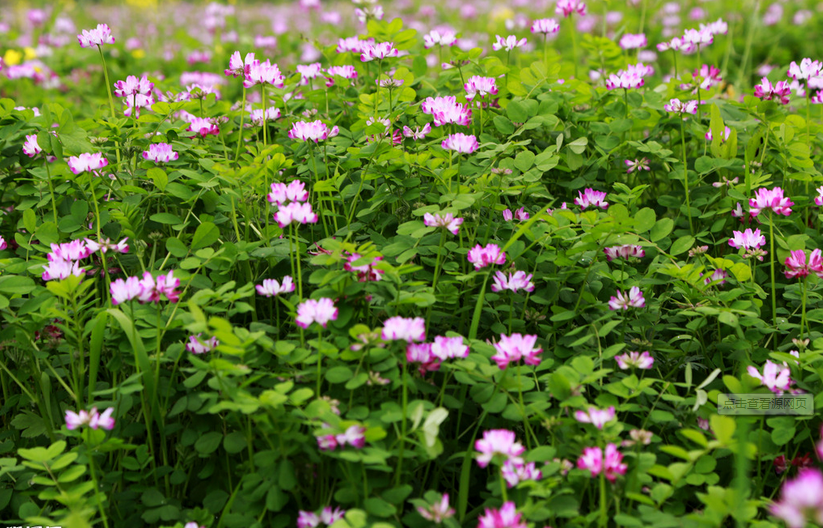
{"x": 519, "y": 264}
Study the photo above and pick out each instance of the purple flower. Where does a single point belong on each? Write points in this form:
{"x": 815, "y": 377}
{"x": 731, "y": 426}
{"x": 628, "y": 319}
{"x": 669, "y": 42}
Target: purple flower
{"x": 486, "y": 256}
{"x": 87, "y": 162}
{"x": 520, "y": 280}
{"x": 95, "y": 37}
{"x": 511, "y": 349}
{"x": 590, "y": 197}
{"x": 509, "y": 43}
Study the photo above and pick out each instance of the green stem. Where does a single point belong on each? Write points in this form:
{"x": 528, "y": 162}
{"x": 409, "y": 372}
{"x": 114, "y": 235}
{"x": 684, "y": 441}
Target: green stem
{"x": 242, "y": 117}
{"x": 99, "y": 499}
{"x": 478, "y": 308}
{"x": 111, "y": 100}
{"x": 319, "y": 359}
{"x": 686, "y": 174}
{"x": 771, "y": 266}
{"x": 265, "y": 127}
{"x": 51, "y": 189}
{"x": 398, "y": 472}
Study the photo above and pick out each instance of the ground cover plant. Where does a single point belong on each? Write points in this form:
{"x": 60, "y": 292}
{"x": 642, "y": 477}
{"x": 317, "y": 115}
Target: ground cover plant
{"x": 410, "y": 264}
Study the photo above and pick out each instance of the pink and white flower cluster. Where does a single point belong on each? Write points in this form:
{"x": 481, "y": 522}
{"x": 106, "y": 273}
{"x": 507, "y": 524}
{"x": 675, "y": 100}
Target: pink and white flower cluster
{"x": 160, "y": 153}
{"x": 625, "y": 251}
{"x": 519, "y": 280}
{"x": 597, "y": 461}
{"x": 91, "y": 418}
{"x": 634, "y": 360}
{"x": 95, "y": 37}
{"x": 319, "y": 311}
{"x": 198, "y": 346}
{"x": 354, "y": 436}
{"x": 634, "y": 299}
{"x": 312, "y": 131}
{"x": 446, "y": 110}
{"x": 482, "y": 257}
{"x": 146, "y": 290}
{"x": 273, "y": 288}
{"x": 772, "y": 199}
{"x": 326, "y": 516}
{"x": 501, "y": 444}
{"x": 513, "y": 348}
{"x": 446, "y": 220}
{"x": 630, "y": 78}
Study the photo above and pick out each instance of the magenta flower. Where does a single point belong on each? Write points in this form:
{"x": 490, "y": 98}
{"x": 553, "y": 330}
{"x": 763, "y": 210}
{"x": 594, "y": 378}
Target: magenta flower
{"x": 106, "y": 245}
{"x": 770, "y": 199}
{"x": 796, "y": 266}
{"x": 514, "y": 474}
{"x": 726, "y": 133}
{"x": 62, "y": 269}
{"x": 511, "y": 349}
{"x": 460, "y": 143}
{"x": 506, "y": 517}
{"x": 509, "y": 43}
{"x": 74, "y": 250}
{"x": 308, "y": 72}
{"x": 133, "y": 86}
{"x": 295, "y": 212}
{"x": 327, "y": 442}
{"x": 801, "y": 499}
{"x": 92, "y": 418}
{"x": 432, "y": 105}
{"x": 272, "y": 288}
{"x": 596, "y": 462}
{"x": 445, "y": 348}
{"x": 436, "y": 38}
{"x": 808, "y": 69}
{"x": 203, "y": 126}
{"x": 282, "y": 193}
{"x": 365, "y": 272}
{"x": 636, "y": 165}
{"x": 774, "y": 378}
{"x": 622, "y": 302}
{"x": 458, "y": 114}
{"x": 717, "y": 275}
{"x": 500, "y": 442}
{"x": 263, "y": 73}
{"x": 520, "y": 214}
{"x": 418, "y": 133}
{"x": 307, "y": 519}
{"x": 422, "y": 353}
{"x": 125, "y": 290}
{"x": 596, "y": 417}
{"x": 3, "y": 243}
{"x": 311, "y": 131}
{"x": 378, "y": 51}
{"x": 520, "y": 280}
{"x": 258, "y": 117}
{"x": 698, "y": 37}
{"x": 634, "y": 360}
{"x": 404, "y": 329}
{"x": 95, "y": 37}
{"x": 545, "y": 26}
{"x": 354, "y": 436}
{"x": 353, "y": 44}
{"x": 31, "y": 148}
{"x": 681, "y": 107}
{"x": 632, "y": 41}
{"x": 319, "y": 311}
{"x": 238, "y": 66}
{"x": 481, "y": 86}
{"x": 447, "y": 221}
{"x": 329, "y": 516}
{"x": 590, "y": 197}
{"x": 347, "y": 72}
{"x": 625, "y": 251}
{"x": 160, "y": 153}
{"x": 87, "y": 162}
{"x": 780, "y": 91}
{"x": 482, "y": 257}
{"x": 196, "y": 346}
{"x": 818, "y": 200}
{"x": 437, "y": 512}
{"x": 747, "y": 240}
{"x": 152, "y": 290}
{"x": 567, "y": 7}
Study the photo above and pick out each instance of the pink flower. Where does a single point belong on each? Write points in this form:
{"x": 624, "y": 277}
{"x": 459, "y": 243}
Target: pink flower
{"x": 767, "y": 91}
{"x": 631, "y": 41}
{"x": 365, "y": 272}
{"x": 545, "y": 26}
{"x": 353, "y": 44}
{"x": 774, "y": 378}
{"x": 634, "y": 360}
{"x": 239, "y": 66}
{"x": 596, "y": 417}
{"x": 160, "y": 153}
{"x": 698, "y": 37}
{"x": 622, "y": 302}
{"x": 263, "y": 73}
{"x": 590, "y": 197}
{"x": 294, "y": 191}
{"x": 329, "y": 516}
{"x": 418, "y": 133}
{"x": 307, "y": 519}
{"x": 437, "y": 512}
{"x": 196, "y": 346}
{"x": 106, "y": 245}
{"x": 3, "y": 243}
{"x": 567, "y": 7}
{"x": 125, "y": 290}
{"x": 770, "y": 199}
{"x": 62, "y": 269}
{"x": 447, "y": 220}
{"x": 151, "y": 289}
{"x": 818, "y": 200}
{"x": 258, "y": 117}
{"x": 482, "y": 257}
{"x": 308, "y": 72}
{"x": 458, "y": 114}
{"x": 594, "y": 460}
{"x": 311, "y": 131}
{"x": 378, "y": 51}
{"x": 31, "y": 148}
{"x": 718, "y": 27}
{"x": 511, "y": 349}
{"x": 74, "y": 250}
{"x": 133, "y": 86}
{"x": 636, "y": 165}
{"x": 92, "y": 418}
{"x": 346, "y": 71}
{"x": 421, "y": 353}
{"x": 461, "y": 143}
{"x": 203, "y": 126}
{"x": 801, "y": 500}
{"x": 807, "y": 69}
{"x": 726, "y": 133}
{"x": 272, "y": 288}
{"x": 446, "y": 38}
{"x": 507, "y": 44}
{"x": 678, "y": 107}
{"x": 404, "y": 329}
{"x": 520, "y": 214}
{"x": 354, "y": 436}
{"x": 747, "y": 240}
{"x": 796, "y": 264}
{"x": 514, "y": 474}
{"x": 295, "y": 212}
{"x": 482, "y": 86}
{"x": 520, "y": 280}
{"x": 87, "y": 162}
{"x": 498, "y": 442}
{"x": 625, "y": 251}
{"x": 445, "y": 348}
{"x": 319, "y": 311}
{"x": 719, "y": 276}
{"x": 506, "y": 517}
{"x": 327, "y": 442}
{"x": 95, "y": 37}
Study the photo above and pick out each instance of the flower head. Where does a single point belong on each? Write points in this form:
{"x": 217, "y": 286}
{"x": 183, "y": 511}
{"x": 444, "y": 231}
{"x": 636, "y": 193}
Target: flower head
{"x": 87, "y": 162}
{"x": 263, "y": 73}
{"x": 197, "y": 346}
{"x": 774, "y": 378}
{"x": 676, "y": 106}
{"x": 596, "y": 417}
{"x": 445, "y": 348}
{"x": 747, "y": 239}
{"x": 634, "y": 299}
{"x": 203, "y": 126}
{"x": 770, "y": 199}
{"x": 380, "y": 50}
{"x": 160, "y": 153}
{"x": 797, "y": 267}
{"x": 596, "y": 461}
{"x": 294, "y": 191}
{"x": 590, "y": 197}
{"x": 95, "y": 37}
{"x": 123, "y": 290}
{"x": 500, "y": 442}
{"x": 273, "y": 288}
{"x": 436, "y": 38}
{"x": 461, "y": 143}
{"x": 634, "y": 360}
{"x": 312, "y": 131}
{"x": 151, "y": 290}
{"x": 511, "y": 349}
{"x": 519, "y": 280}
{"x": 516, "y": 473}
{"x": 801, "y": 499}
{"x": 31, "y": 148}
{"x": 780, "y": 91}
{"x": 506, "y": 517}
{"x": 62, "y": 269}
{"x": 422, "y": 353}
{"x": 404, "y": 329}
{"x": 482, "y": 86}
{"x": 319, "y": 311}
{"x": 133, "y": 86}
{"x": 437, "y": 512}
{"x": 295, "y": 212}
{"x": 807, "y": 69}
{"x": 636, "y": 165}
{"x": 486, "y": 256}
{"x": 446, "y": 220}
{"x": 545, "y": 26}
{"x": 418, "y": 133}
{"x": 258, "y": 117}
{"x": 509, "y": 43}
{"x": 239, "y": 66}
{"x": 726, "y": 133}
{"x": 625, "y": 251}
{"x": 365, "y": 272}
{"x": 91, "y": 418}
{"x": 567, "y": 7}
{"x": 632, "y": 41}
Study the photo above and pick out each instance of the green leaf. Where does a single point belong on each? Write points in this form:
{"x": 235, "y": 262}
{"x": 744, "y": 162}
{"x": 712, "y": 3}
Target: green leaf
{"x": 661, "y": 229}
{"x": 166, "y": 218}
{"x": 16, "y": 285}
{"x": 723, "y": 427}
{"x": 234, "y": 442}
{"x": 30, "y": 220}
{"x": 159, "y": 177}
{"x": 524, "y": 160}
{"x": 516, "y": 112}
{"x": 682, "y": 244}
{"x": 379, "y": 507}
{"x": 782, "y": 435}
{"x": 644, "y": 220}
{"x": 339, "y": 374}
{"x": 208, "y": 443}
{"x": 206, "y": 235}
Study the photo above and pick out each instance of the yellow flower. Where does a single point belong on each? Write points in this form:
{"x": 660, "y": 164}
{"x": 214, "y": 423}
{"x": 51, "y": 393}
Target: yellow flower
{"x": 12, "y": 57}
{"x": 138, "y": 54}
{"x": 30, "y": 53}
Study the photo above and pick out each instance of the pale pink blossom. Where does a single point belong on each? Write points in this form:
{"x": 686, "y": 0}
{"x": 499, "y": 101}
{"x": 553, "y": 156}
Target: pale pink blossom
{"x": 198, "y": 346}
{"x": 482, "y": 257}
{"x": 87, "y": 162}
{"x": 446, "y": 220}
{"x": 273, "y": 288}
{"x": 567, "y": 7}
{"x": 774, "y": 378}
{"x": 801, "y": 500}
{"x": 300, "y": 213}
{"x": 797, "y": 267}
{"x": 634, "y": 299}
{"x": 31, "y": 148}
{"x": 312, "y": 131}
{"x": 596, "y": 417}
{"x": 437, "y": 512}
{"x": 509, "y": 43}
{"x": 281, "y": 193}
{"x": 160, "y": 153}
{"x": 545, "y": 26}
{"x": 770, "y": 199}
{"x": 519, "y": 280}
{"x": 319, "y": 311}
{"x": 634, "y": 359}
{"x": 511, "y": 349}
{"x": 62, "y": 269}
{"x": 498, "y": 442}
{"x": 514, "y": 473}
{"x": 95, "y": 37}
{"x": 404, "y": 329}
{"x": 780, "y": 91}
{"x": 445, "y": 348}
{"x": 125, "y": 290}
{"x": 591, "y": 198}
